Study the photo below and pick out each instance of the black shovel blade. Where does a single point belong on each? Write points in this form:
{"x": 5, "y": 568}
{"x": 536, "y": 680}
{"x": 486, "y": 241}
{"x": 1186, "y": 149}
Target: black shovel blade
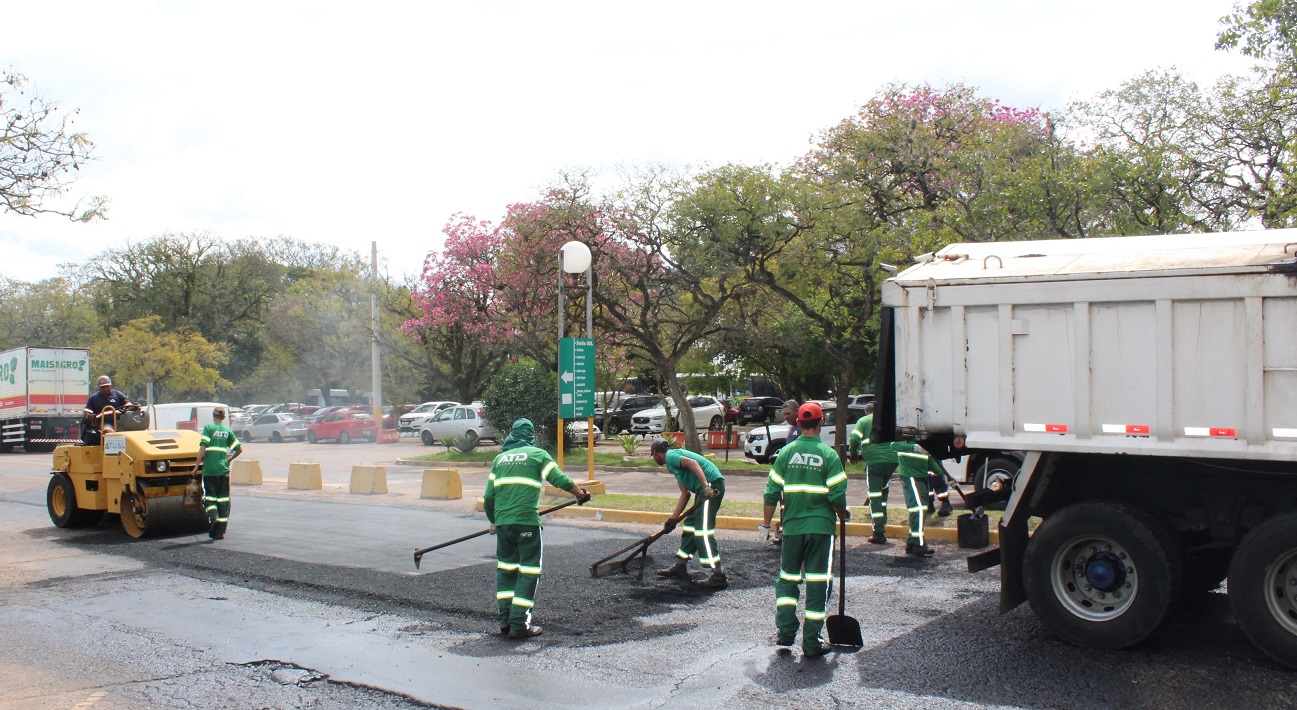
{"x": 844, "y": 632}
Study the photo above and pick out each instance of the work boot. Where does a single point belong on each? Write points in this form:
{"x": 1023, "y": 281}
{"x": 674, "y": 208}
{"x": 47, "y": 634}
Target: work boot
{"x": 785, "y": 640}
{"x": 878, "y": 539}
{"x": 817, "y": 651}
{"x": 676, "y": 570}
{"x": 504, "y": 629}
{"x": 529, "y": 632}
{"x": 716, "y": 580}
{"x": 945, "y": 508}
{"x": 932, "y": 507}
{"x": 916, "y": 550}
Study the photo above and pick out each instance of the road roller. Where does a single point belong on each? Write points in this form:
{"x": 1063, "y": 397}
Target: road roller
{"x": 137, "y": 473}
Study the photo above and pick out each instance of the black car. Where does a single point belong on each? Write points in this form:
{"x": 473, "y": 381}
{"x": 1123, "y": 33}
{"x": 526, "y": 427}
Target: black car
{"x": 758, "y": 410}
{"x": 619, "y": 417}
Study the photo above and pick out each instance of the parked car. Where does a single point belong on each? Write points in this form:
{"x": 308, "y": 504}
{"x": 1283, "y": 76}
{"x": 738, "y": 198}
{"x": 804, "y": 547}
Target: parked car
{"x": 619, "y": 418}
{"x": 343, "y": 426}
{"x": 414, "y": 420}
{"x": 319, "y": 414}
{"x": 239, "y": 418}
{"x": 275, "y": 427}
{"x": 759, "y": 410}
{"x": 856, "y": 404}
{"x": 456, "y": 421}
{"x": 762, "y": 449}
{"x": 576, "y": 429}
{"x": 708, "y": 414}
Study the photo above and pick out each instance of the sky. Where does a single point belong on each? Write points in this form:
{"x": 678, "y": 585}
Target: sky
{"x": 351, "y": 123}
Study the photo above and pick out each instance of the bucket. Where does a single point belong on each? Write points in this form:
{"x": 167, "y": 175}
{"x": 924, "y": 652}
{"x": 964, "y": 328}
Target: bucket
{"x": 974, "y": 532}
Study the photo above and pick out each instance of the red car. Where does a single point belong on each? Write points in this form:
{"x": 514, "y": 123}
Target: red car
{"x": 344, "y": 426}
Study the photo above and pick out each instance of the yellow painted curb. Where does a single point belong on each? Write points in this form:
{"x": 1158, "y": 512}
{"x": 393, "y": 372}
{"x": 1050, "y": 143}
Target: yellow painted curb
{"x": 305, "y": 476}
{"x": 367, "y": 478}
{"x": 729, "y": 522}
{"x": 443, "y": 483}
{"x": 246, "y": 473}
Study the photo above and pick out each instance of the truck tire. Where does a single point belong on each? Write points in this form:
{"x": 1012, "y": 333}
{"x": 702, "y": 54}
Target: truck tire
{"x": 1263, "y": 587}
{"x": 1102, "y": 574}
{"x": 61, "y": 502}
{"x": 999, "y": 471}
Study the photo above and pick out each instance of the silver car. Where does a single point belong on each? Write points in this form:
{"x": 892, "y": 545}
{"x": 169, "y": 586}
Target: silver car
{"x": 275, "y": 427}
{"x": 456, "y": 421}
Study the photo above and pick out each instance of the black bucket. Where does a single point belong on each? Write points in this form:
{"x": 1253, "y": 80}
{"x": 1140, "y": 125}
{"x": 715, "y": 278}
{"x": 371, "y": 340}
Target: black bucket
{"x": 974, "y": 531}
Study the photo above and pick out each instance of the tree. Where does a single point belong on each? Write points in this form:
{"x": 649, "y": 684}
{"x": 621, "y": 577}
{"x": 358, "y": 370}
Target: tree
{"x": 55, "y": 312}
{"x": 179, "y": 362}
{"x": 1264, "y": 29}
{"x": 40, "y": 154}
{"x": 525, "y": 389}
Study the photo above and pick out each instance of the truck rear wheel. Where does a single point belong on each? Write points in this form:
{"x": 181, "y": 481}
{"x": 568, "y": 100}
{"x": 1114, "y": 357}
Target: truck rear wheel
{"x": 61, "y": 501}
{"x": 1102, "y": 574}
{"x": 1263, "y": 587}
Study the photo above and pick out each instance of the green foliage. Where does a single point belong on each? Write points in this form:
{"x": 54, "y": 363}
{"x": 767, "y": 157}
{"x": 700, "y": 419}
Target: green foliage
{"x": 180, "y": 362}
{"x": 56, "y": 312}
{"x": 629, "y": 442}
{"x": 524, "y": 390}
{"x": 464, "y": 443}
{"x": 1264, "y": 29}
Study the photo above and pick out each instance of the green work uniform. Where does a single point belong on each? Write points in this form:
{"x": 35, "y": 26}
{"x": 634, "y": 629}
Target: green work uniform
{"x": 809, "y": 476}
{"x": 860, "y": 434}
{"x": 881, "y": 461}
{"x": 221, "y": 445}
{"x": 512, "y": 501}
{"x": 699, "y": 527}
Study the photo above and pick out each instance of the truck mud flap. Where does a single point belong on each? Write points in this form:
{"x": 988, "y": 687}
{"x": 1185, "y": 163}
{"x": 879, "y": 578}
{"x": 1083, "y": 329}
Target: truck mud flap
{"x": 984, "y": 560}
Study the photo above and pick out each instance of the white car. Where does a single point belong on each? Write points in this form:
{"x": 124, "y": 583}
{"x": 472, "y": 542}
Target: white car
{"x": 412, "y": 420}
{"x": 456, "y": 421}
{"x": 757, "y": 446}
{"x": 576, "y": 428}
{"x": 276, "y": 427}
{"x": 709, "y": 413}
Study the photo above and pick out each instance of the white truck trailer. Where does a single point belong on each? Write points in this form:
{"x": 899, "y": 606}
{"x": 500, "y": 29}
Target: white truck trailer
{"x": 1151, "y": 383}
{"x": 42, "y": 393}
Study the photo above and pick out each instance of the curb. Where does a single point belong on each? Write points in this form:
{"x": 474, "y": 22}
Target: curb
{"x": 730, "y": 522}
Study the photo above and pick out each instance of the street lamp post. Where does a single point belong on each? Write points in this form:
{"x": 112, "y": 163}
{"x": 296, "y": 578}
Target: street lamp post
{"x": 574, "y": 258}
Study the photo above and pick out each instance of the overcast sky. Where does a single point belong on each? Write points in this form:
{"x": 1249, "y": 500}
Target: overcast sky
{"x": 352, "y": 122}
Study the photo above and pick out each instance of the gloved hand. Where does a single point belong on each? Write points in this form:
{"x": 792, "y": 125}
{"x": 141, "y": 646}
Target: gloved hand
{"x": 582, "y": 496}
{"x": 709, "y": 492}
{"x": 491, "y": 530}
{"x": 845, "y": 515}
{"x": 669, "y": 525}
{"x": 763, "y": 533}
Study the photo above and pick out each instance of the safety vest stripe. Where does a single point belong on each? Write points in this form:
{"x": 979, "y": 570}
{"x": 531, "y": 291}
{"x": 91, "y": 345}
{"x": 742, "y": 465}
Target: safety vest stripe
{"x": 518, "y": 480}
{"x": 786, "y": 601}
{"x": 806, "y": 488}
{"x": 814, "y": 615}
{"x": 817, "y": 577}
{"x": 544, "y": 472}
{"x": 504, "y": 595}
{"x": 902, "y": 454}
{"x": 519, "y": 601}
{"x": 776, "y": 478}
{"x": 523, "y": 569}
{"x": 837, "y": 479}
{"x": 789, "y": 577}
{"x": 507, "y": 566}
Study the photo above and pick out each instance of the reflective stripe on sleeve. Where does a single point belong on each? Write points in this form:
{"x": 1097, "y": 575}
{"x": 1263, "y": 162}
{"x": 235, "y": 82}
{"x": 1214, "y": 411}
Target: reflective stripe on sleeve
{"x": 837, "y": 479}
{"x": 776, "y": 477}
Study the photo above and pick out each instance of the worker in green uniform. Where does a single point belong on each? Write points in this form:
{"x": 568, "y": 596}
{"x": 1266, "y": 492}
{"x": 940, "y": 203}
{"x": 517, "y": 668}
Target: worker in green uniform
{"x": 695, "y": 475}
{"x": 809, "y": 476}
{"x": 217, "y": 447}
{"x": 512, "y": 502}
{"x": 883, "y": 460}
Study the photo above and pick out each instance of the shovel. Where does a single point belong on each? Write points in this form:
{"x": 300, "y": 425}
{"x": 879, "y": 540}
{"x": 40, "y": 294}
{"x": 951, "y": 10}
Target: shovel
{"x": 844, "y": 631}
{"x": 610, "y": 564}
{"x": 418, "y": 554}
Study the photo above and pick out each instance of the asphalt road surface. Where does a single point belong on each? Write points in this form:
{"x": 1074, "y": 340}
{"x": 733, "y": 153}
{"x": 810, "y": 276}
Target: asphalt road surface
{"x": 315, "y": 602}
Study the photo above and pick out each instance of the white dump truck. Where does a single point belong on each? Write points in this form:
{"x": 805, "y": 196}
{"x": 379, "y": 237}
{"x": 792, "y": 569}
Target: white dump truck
{"x": 42, "y": 393}
{"x": 1151, "y": 383}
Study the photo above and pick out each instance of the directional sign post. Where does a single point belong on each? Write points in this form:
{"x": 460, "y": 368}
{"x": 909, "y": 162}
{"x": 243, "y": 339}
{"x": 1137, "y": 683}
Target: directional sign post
{"x": 575, "y": 378}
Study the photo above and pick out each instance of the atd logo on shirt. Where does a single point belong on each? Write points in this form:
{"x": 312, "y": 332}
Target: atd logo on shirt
{"x": 806, "y": 460}
{"x": 519, "y": 457}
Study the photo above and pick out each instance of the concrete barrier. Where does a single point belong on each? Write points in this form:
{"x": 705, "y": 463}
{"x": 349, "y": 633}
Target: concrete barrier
{"x": 443, "y": 483}
{"x": 368, "y": 479}
{"x": 245, "y": 473}
{"x": 305, "y": 476}
{"x": 594, "y": 488}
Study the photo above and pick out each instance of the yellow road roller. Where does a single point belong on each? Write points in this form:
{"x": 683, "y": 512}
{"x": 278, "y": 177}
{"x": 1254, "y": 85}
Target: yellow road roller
{"x": 138, "y": 474}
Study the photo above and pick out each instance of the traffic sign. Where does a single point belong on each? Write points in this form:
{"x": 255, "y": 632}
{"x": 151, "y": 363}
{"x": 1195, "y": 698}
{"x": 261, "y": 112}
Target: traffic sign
{"x": 575, "y": 378}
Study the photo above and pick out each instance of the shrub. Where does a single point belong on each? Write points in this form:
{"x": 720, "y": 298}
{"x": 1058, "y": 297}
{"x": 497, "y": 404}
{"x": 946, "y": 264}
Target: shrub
{"x": 629, "y": 442}
{"x": 464, "y": 443}
{"x": 523, "y": 389}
